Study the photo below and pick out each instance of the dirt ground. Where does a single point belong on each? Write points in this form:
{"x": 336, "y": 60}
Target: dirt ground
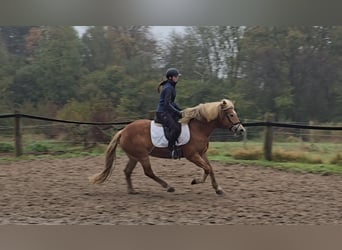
{"x": 57, "y": 191}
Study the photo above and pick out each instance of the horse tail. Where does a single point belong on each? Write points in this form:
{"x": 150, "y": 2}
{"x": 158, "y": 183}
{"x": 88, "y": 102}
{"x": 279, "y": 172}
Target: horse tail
{"x": 110, "y": 158}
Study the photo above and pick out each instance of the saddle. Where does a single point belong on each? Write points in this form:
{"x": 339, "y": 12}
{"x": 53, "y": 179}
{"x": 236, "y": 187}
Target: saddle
{"x": 159, "y": 135}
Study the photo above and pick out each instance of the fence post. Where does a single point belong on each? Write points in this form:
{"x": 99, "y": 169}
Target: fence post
{"x": 312, "y": 134}
{"x": 17, "y": 135}
{"x": 268, "y": 140}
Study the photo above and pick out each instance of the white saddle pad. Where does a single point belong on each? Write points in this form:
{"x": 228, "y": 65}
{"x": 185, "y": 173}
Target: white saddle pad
{"x": 158, "y": 137}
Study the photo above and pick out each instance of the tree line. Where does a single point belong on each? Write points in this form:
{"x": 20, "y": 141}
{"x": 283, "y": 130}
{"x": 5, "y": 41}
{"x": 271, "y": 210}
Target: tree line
{"x": 111, "y": 72}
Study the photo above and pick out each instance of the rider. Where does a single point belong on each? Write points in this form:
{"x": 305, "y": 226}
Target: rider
{"x": 168, "y": 113}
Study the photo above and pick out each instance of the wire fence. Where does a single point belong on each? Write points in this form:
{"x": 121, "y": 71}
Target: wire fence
{"x": 38, "y": 130}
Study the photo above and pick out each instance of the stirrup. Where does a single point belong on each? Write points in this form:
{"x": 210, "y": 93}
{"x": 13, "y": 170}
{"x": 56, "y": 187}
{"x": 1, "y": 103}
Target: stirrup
{"x": 174, "y": 154}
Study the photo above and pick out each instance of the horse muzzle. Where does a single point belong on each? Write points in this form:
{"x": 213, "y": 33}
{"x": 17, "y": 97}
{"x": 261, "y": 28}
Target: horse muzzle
{"x": 238, "y": 129}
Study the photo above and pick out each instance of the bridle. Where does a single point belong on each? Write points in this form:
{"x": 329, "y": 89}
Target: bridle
{"x": 235, "y": 126}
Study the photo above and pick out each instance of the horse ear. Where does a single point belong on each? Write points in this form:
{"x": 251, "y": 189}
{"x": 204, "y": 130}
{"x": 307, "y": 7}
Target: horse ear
{"x": 223, "y": 104}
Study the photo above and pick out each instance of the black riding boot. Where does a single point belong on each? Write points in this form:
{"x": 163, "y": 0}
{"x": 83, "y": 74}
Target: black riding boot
{"x": 173, "y": 148}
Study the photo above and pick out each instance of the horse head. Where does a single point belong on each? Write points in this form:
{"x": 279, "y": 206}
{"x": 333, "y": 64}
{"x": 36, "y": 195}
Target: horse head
{"x": 229, "y": 118}
{"x": 222, "y": 111}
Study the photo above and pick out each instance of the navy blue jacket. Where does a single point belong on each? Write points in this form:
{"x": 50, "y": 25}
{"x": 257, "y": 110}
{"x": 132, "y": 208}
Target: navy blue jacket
{"x": 167, "y": 99}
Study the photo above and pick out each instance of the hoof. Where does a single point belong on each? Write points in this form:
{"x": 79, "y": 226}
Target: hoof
{"x": 219, "y": 192}
{"x": 171, "y": 189}
{"x": 194, "y": 181}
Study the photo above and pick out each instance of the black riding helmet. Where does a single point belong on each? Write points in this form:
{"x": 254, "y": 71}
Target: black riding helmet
{"x": 172, "y": 72}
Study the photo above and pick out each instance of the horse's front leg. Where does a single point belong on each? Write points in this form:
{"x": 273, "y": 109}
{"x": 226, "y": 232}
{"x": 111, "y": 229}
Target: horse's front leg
{"x": 203, "y": 163}
{"x": 205, "y": 173}
{"x": 145, "y": 162}
{"x": 218, "y": 189}
{"x": 197, "y": 181}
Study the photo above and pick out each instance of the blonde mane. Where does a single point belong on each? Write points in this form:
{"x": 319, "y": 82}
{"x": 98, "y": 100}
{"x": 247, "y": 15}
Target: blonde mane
{"x": 206, "y": 111}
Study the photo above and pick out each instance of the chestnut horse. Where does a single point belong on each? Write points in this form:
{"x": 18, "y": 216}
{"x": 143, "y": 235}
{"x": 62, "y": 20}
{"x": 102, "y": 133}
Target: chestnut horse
{"x": 135, "y": 141}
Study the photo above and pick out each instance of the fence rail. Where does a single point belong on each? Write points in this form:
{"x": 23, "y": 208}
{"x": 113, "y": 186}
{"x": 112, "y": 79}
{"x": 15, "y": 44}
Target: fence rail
{"x": 18, "y": 115}
{"x": 289, "y": 125}
{"x": 246, "y": 124}
{"x": 268, "y": 124}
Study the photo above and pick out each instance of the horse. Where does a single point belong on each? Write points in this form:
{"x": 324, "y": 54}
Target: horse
{"x": 135, "y": 141}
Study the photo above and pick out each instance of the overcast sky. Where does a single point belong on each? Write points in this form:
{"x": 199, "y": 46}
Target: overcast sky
{"x": 160, "y": 32}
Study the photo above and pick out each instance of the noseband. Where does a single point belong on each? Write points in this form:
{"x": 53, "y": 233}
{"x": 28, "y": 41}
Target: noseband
{"x": 235, "y": 125}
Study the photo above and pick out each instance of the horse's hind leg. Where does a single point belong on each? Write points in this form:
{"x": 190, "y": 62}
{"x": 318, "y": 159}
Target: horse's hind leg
{"x": 128, "y": 172}
{"x": 145, "y": 162}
